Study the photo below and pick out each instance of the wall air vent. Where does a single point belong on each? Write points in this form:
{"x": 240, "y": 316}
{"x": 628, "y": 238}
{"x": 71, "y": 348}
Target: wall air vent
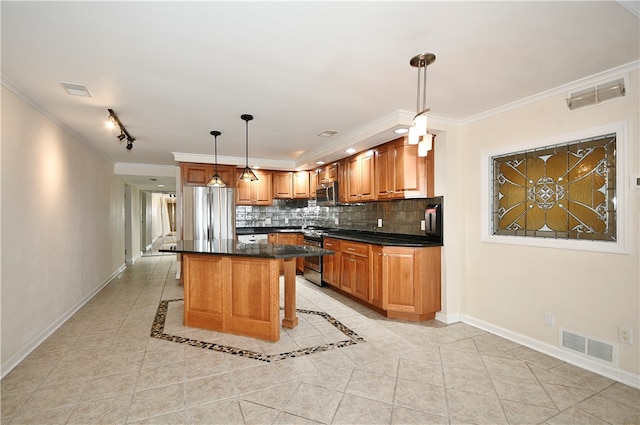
{"x": 589, "y": 347}
{"x": 596, "y": 94}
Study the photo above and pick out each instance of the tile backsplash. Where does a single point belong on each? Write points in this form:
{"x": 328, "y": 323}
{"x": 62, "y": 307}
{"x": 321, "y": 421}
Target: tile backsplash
{"x": 399, "y": 216}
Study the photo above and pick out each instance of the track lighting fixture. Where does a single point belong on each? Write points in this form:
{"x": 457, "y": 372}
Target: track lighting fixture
{"x": 247, "y": 174}
{"x": 216, "y": 180}
{"x": 113, "y": 122}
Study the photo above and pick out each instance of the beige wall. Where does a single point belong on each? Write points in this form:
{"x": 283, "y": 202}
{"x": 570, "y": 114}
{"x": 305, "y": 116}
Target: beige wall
{"x": 62, "y": 226}
{"x": 511, "y": 287}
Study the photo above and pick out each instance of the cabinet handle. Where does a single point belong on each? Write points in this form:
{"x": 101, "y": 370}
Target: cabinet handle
{"x": 351, "y": 249}
{"x": 352, "y": 260}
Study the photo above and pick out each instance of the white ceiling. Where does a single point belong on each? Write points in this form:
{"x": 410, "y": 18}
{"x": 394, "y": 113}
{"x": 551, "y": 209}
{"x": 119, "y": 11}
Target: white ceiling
{"x": 174, "y": 71}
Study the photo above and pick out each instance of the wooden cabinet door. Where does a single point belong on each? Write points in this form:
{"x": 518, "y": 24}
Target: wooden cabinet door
{"x": 263, "y": 188}
{"x": 347, "y": 272}
{"x": 332, "y": 172}
{"x": 409, "y": 172}
{"x": 367, "y": 177}
{"x": 361, "y": 183}
{"x": 313, "y": 183}
{"x": 301, "y": 188}
{"x": 343, "y": 181}
{"x": 354, "y": 268}
{"x": 331, "y": 263}
{"x": 353, "y": 179}
{"x": 384, "y": 182}
{"x": 193, "y": 174}
{"x": 403, "y": 289}
{"x": 361, "y": 277}
{"x": 244, "y": 193}
{"x": 375, "y": 288}
{"x": 282, "y": 188}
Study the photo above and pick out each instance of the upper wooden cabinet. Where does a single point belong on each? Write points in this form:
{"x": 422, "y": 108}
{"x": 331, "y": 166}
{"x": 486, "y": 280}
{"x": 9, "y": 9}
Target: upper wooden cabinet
{"x": 199, "y": 174}
{"x": 361, "y": 178}
{"x": 301, "y": 187}
{"x": 328, "y": 173}
{"x": 291, "y": 185}
{"x": 257, "y": 192}
{"x": 400, "y": 172}
{"x": 282, "y": 185}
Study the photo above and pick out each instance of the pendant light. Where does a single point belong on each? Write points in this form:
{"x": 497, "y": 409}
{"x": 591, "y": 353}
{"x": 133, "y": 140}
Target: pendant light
{"x": 419, "y": 128}
{"x": 247, "y": 174}
{"x": 216, "y": 180}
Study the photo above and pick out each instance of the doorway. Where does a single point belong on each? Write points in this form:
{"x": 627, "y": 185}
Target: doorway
{"x": 158, "y": 222}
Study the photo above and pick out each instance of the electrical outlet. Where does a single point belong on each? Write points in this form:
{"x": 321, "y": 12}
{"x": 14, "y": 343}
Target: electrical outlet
{"x": 337, "y": 221}
{"x": 423, "y": 225}
{"x": 625, "y": 335}
{"x": 267, "y": 220}
{"x": 549, "y": 319}
{"x": 286, "y": 221}
{"x": 379, "y": 222}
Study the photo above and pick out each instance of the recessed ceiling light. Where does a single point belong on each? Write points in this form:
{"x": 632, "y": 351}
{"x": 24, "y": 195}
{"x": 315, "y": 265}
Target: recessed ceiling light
{"x": 328, "y": 133}
{"x": 160, "y": 185}
{"x": 401, "y": 130}
{"x": 350, "y": 151}
{"x": 320, "y": 162}
{"x": 75, "y": 89}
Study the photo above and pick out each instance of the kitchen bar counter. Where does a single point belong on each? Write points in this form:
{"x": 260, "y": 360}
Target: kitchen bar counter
{"x": 235, "y": 288}
{"x": 234, "y": 248}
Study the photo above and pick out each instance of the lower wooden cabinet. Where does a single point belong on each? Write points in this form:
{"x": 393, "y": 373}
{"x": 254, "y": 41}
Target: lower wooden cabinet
{"x": 288, "y": 239}
{"x": 331, "y": 263}
{"x": 354, "y": 269}
{"x": 404, "y": 282}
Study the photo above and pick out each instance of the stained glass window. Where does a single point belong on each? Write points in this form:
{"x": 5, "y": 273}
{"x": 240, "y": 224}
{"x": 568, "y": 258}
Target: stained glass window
{"x": 565, "y": 191}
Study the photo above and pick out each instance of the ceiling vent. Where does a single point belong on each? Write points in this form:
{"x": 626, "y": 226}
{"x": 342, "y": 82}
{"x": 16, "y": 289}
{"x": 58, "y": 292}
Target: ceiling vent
{"x": 328, "y": 133}
{"x": 596, "y": 94}
{"x": 75, "y": 89}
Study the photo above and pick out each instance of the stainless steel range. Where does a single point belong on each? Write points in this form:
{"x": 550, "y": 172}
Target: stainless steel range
{"x": 313, "y": 265}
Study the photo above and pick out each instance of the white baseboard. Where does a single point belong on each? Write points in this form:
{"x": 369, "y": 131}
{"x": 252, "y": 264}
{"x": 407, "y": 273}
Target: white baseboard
{"x": 15, "y": 360}
{"x": 447, "y": 318}
{"x": 610, "y": 372}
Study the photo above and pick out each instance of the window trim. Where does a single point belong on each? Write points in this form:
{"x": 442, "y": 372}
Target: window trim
{"x": 620, "y": 246}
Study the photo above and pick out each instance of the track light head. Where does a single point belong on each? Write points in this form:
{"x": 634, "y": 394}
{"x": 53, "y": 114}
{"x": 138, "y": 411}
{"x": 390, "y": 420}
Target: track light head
{"x": 121, "y": 136}
{"x": 129, "y": 144}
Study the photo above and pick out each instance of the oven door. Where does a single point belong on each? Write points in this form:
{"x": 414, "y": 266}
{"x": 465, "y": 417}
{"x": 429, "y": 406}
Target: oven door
{"x": 313, "y": 265}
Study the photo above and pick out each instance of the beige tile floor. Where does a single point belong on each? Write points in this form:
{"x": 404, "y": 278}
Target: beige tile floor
{"x": 102, "y": 367}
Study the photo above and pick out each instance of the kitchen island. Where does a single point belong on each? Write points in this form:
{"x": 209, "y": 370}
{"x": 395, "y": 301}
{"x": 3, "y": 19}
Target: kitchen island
{"x": 234, "y": 288}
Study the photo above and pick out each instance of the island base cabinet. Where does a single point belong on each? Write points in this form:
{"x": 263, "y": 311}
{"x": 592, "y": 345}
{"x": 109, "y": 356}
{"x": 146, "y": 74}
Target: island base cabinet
{"x": 232, "y": 295}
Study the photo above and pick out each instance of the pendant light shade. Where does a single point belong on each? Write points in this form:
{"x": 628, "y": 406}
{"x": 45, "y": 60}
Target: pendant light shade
{"x": 216, "y": 180}
{"x": 420, "y": 129}
{"x": 247, "y": 174}
{"x": 425, "y": 145}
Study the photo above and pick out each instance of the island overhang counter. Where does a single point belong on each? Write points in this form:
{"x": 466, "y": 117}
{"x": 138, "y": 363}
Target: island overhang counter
{"x": 233, "y": 287}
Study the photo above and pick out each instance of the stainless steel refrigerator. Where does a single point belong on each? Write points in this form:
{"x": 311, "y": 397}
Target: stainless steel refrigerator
{"x": 208, "y": 213}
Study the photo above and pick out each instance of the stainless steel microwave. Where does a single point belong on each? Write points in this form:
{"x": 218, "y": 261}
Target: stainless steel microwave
{"x": 327, "y": 194}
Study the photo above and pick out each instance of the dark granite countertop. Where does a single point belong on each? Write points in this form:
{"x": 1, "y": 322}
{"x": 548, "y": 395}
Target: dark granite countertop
{"x": 376, "y": 238}
{"x": 381, "y": 238}
{"x": 234, "y": 248}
